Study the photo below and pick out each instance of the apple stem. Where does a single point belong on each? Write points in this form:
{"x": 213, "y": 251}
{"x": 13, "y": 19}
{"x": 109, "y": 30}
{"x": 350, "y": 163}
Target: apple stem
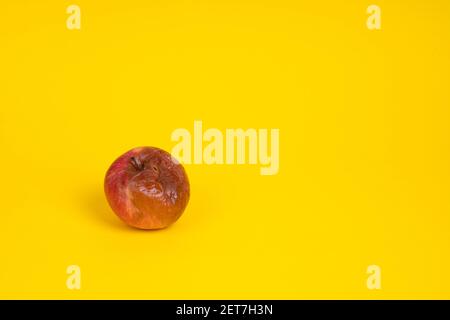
{"x": 137, "y": 164}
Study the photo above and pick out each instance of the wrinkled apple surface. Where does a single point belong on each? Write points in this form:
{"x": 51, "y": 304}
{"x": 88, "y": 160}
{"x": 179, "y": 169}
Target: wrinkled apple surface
{"x": 147, "y": 188}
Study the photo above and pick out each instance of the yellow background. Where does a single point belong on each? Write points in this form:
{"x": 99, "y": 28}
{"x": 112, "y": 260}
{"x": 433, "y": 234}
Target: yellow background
{"x": 364, "y": 147}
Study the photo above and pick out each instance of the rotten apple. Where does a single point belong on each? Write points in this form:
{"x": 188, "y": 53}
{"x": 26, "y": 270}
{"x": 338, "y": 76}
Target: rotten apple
{"x": 147, "y": 188}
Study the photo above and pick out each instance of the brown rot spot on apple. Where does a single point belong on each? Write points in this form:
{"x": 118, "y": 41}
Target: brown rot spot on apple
{"x": 146, "y": 188}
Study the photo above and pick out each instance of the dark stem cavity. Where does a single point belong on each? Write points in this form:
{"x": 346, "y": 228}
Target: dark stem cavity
{"x": 137, "y": 164}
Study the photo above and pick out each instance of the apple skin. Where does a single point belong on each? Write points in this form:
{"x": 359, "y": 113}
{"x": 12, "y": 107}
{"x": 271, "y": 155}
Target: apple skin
{"x": 147, "y": 188}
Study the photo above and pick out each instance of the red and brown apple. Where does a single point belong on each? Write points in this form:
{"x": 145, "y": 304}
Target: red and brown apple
{"x": 147, "y": 188}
